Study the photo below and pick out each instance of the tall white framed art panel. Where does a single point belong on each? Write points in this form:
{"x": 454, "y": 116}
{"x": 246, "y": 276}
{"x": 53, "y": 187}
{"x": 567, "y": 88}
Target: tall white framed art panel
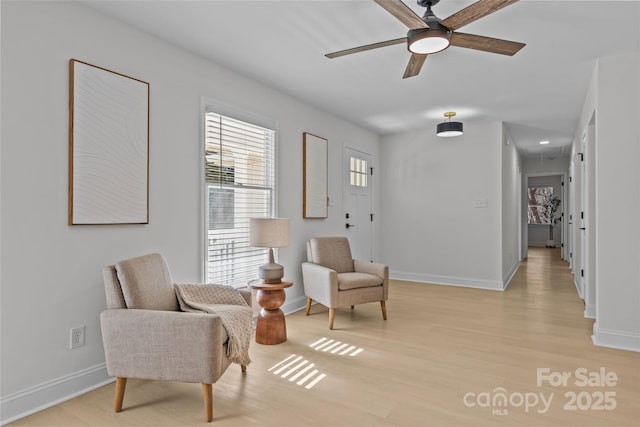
{"x": 314, "y": 176}
{"x": 108, "y": 147}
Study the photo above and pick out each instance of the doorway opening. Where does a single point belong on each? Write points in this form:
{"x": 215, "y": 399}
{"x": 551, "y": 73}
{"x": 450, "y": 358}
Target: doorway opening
{"x": 545, "y": 200}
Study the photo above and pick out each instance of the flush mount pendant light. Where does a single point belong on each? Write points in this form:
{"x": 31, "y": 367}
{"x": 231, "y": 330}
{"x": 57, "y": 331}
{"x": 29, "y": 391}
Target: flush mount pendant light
{"x": 449, "y": 128}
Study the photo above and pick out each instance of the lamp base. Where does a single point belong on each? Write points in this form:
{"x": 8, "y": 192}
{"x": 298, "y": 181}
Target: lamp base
{"x": 271, "y": 273}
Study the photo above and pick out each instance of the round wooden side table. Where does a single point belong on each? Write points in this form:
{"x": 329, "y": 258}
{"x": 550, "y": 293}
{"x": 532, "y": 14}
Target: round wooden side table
{"x": 271, "y": 327}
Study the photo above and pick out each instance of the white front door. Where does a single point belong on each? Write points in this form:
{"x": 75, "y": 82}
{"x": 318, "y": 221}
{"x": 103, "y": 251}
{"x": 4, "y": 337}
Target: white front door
{"x": 358, "y": 216}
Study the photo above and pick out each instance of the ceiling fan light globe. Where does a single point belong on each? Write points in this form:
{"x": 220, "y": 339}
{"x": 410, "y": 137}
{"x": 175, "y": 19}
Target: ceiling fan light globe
{"x": 429, "y": 45}
{"x": 427, "y": 41}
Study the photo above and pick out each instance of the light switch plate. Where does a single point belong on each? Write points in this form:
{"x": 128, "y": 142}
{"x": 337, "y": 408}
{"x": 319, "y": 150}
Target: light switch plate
{"x": 480, "y": 203}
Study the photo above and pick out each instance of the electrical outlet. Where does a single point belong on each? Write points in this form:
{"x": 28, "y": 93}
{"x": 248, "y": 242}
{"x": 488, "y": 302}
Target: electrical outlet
{"x": 77, "y": 337}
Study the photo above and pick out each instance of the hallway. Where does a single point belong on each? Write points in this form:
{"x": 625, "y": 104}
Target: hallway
{"x": 544, "y": 278}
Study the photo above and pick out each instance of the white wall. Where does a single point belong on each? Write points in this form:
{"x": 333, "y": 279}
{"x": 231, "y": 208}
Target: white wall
{"x": 431, "y": 229}
{"x": 511, "y": 208}
{"x": 617, "y": 193}
{"x": 545, "y": 166}
{"x": 51, "y": 273}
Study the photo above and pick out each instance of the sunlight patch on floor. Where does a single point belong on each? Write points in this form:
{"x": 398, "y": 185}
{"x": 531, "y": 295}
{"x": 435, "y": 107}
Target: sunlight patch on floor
{"x": 295, "y": 367}
{"x": 335, "y": 347}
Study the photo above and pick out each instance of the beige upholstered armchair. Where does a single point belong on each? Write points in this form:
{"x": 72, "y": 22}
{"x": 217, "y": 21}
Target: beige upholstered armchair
{"x": 146, "y": 336}
{"x": 334, "y": 279}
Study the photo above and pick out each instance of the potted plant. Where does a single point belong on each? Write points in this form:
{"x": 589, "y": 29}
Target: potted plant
{"x": 551, "y": 206}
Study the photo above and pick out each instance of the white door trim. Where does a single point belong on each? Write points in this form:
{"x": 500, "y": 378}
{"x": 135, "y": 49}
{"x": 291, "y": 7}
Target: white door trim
{"x": 345, "y": 190}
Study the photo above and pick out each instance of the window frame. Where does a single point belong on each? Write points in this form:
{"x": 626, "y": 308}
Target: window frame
{"x": 208, "y": 105}
{"x": 358, "y": 176}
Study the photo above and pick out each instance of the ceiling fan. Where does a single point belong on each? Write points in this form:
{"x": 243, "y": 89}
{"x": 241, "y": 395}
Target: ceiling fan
{"x": 430, "y": 34}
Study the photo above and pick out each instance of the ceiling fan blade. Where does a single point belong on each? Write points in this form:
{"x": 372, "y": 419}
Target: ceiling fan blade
{"x": 366, "y": 47}
{"x": 414, "y": 66}
{"x": 486, "y": 44}
{"x": 401, "y": 11}
{"x": 474, "y": 12}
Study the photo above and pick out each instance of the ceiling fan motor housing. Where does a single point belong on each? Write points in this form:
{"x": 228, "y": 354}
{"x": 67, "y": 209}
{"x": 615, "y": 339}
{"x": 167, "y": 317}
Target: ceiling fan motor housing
{"x": 428, "y": 3}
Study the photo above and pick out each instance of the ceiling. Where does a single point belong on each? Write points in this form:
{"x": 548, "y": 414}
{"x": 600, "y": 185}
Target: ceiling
{"x": 538, "y": 93}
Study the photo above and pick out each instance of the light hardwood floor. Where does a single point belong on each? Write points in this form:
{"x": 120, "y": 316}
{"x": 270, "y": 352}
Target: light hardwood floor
{"x": 440, "y": 345}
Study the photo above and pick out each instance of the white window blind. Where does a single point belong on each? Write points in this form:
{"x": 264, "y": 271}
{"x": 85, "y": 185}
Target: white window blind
{"x": 240, "y": 179}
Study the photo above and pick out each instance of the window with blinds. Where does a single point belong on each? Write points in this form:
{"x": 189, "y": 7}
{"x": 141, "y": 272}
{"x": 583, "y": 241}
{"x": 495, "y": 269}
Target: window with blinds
{"x": 240, "y": 179}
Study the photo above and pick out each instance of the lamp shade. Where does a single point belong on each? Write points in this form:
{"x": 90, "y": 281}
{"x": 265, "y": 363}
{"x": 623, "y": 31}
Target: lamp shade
{"x": 269, "y": 232}
{"x": 449, "y": 129}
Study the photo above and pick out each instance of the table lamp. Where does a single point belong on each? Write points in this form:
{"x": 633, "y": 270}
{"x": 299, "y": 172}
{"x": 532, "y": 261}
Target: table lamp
{"x": 269, "y": 233}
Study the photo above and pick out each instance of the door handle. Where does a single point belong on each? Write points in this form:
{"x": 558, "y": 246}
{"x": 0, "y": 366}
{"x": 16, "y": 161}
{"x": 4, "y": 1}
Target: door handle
{"x": 347, "y": 225}
{"x": 582, "y": 228}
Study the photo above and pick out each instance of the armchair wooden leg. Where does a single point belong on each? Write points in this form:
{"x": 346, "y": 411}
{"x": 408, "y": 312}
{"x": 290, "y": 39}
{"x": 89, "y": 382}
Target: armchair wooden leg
{"x": 243, "y": 368}
{"x": 308, "y": 306}
{"x": 332, "y": 314}
{"x": 207, "y": 393}
{"x": 384, "y": 309}
{"x": 352, "y": 307}
{"x": 121, "y": 383}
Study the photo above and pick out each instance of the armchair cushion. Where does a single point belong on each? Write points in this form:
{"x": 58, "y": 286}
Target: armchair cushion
{"x": 146, "y": 283}
{"x": 332, "y": 252}
{"x": 354, "y": 280}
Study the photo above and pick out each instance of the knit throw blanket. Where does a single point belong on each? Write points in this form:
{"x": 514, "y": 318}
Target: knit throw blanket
{"x": 230, "y": 306}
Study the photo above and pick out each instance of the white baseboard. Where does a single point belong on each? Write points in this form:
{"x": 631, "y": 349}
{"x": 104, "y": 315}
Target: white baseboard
{"x": 577, "y": 285}
{"x": 494, "y": 285}
{"x": 543, "y": 244}
{"x": 294, "y": 305}
{"x": 590, "y": 311}
{"x": 507, "y": 279}
{"x": 615, "y": 339}
{"x": 26, "y": 402}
